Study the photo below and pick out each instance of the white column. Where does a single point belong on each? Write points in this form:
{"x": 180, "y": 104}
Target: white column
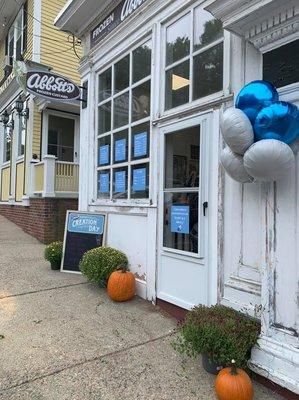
{"x": 49, "y": 176}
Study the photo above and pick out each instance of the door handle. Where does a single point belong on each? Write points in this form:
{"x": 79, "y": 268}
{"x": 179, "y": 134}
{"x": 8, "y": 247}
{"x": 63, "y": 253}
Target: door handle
{"x": 204, "y": 207}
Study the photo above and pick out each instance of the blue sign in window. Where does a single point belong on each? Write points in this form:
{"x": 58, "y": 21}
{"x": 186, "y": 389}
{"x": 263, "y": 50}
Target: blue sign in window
{"x": 104, "y": 154}
{"x": 85, "y": 223}
{"x": 120, "y": 150}
{"x": 120, "y": 182}
{"x": 180, "y": 219}
{"x": 139, "y": 179}
{"x": 104, "y": 183}
{"x": 140, "y": 144}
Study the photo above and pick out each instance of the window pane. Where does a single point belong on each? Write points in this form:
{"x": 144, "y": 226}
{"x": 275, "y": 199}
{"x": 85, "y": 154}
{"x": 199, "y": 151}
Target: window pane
{"x": 178, "y": 39}
{"x": 207, "y": 29}
{"x": 121, "y": 74}
{"x": 120, "y": 183}
{"x": 142, "y": 62}
{"x": 104, "y": 118}
{"x": 141, "y": 101}
{"x": 104, "y": 184}
{"x": 208, "y": 72}
{"x": 104, "y": 151}
{"x": 181, "y": 221}
{"x": 281, "y": 66}
{"x": 105, "y": 85}
{"x": 139, "y": 181}
{"x": 140, "y": 141}
{"x": 121, "y": 110}
{"x": 120, "y": 147}
{"x": 182, "y": 158}
{"x": 177, "y": 86}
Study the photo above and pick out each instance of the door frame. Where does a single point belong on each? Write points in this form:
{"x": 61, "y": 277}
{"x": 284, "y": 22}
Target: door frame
{"x": 45, "y": 131}
{"x": 208, "y": 131}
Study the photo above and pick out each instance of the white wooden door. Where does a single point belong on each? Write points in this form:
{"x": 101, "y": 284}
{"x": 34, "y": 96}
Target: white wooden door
{"x": 183, "y": 213}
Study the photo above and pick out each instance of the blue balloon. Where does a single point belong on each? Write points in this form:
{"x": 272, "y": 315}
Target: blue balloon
{"x": 254, "y": 97}
{"x": 279, "y": 121}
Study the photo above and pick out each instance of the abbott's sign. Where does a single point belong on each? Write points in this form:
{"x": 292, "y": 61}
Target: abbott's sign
{"x": 51, "y": 86}
{"x": 117, "y": 16}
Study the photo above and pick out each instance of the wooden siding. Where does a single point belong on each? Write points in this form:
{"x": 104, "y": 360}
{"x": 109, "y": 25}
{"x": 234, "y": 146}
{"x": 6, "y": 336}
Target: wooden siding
{"x": 19, "y": 181}
{"x": 29, "y": 50}
{"x": 37, "y": 125}
{"x": 56, "y": 51}
{"x": 5, "y": 183}
{"x": 2, "y": 54}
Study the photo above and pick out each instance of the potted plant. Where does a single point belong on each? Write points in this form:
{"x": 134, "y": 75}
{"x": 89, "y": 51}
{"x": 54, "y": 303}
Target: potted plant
{"x": 99, "y": 263}
{"x": 53, "y": 254}
{"x": 219, "y": 334}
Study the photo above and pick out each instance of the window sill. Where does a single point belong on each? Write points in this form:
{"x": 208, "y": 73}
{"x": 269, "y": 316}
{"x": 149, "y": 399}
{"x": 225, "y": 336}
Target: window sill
{"x": 20, "y": 159}
{"x": 123, "y": 204}
{"x": 5, "y": 164}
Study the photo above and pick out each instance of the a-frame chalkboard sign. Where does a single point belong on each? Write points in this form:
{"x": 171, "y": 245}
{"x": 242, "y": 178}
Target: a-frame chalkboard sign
{"x": 83, "y": 231}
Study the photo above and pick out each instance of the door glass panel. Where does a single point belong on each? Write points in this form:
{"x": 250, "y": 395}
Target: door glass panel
{"x": 61, "y": 138}
{"x": 182, "y": 170}
{"x": 178, "y": 40}
{"x": 207, "y": 29}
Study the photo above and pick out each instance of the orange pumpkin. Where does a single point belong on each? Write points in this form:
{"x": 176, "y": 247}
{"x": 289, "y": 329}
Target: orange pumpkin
{"x": 233, "y": 384}
{"x": 121, "y": 285}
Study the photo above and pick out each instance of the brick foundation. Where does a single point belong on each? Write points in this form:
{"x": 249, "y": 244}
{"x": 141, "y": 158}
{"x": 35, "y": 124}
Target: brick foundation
{"x": 43, "y": 219}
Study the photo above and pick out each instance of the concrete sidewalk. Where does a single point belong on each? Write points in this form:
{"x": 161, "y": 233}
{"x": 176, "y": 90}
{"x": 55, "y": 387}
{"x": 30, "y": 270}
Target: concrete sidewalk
{"x": 65, "y": 340}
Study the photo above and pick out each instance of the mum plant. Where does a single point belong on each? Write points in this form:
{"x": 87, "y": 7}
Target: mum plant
{"x": 98, "y": 264}
{"x": 219, "y": 333}
{"x": 53, "y": 254}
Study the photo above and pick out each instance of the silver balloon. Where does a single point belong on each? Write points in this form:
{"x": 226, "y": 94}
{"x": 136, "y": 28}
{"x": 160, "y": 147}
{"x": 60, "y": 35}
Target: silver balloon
{"x": 236, "y": 130}
{"x": 269, "y": 160}
{"x": 233, "y": 165}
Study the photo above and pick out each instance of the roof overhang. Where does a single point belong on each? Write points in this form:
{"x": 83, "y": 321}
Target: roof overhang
{"x": 8, "y": 11}
{"x": 77, "y": 15}
{"x": 258, "y": 21}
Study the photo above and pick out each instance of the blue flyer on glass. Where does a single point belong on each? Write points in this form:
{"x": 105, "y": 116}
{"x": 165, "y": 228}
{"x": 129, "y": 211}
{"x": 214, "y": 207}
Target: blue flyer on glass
{"x": 104, "y": 154}
{"x": 120, "y": 149}
{"x": 120, "y": 182}
{"x": 104, "y": 183}
{"x": 180, "y": 218}
{"x": 139, "y": 179}
{"x": 140, "y": 144}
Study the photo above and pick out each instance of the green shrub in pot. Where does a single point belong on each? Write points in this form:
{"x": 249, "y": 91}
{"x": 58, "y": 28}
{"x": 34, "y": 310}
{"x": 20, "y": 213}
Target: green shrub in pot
{"x": 99, "y": 263}
{"x": 53, "y": 254}
{"x": 218, "y": 333}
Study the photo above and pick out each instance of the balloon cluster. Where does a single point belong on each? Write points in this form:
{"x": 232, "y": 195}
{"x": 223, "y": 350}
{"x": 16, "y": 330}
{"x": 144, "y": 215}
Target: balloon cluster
{"x": 258, "y": 133}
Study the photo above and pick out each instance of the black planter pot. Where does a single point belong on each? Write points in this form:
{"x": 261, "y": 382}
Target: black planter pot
{"x": 55, "y": 266}
{"x": 211, "y": 366}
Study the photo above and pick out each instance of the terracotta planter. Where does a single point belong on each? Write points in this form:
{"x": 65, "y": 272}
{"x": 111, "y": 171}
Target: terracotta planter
{"x": 211, "y": 366}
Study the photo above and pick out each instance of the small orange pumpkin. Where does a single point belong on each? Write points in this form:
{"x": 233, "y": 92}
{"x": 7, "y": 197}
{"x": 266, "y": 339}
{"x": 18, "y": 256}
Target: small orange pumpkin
{"x": 233, "y": 384}
{"x": 121, "y": 285}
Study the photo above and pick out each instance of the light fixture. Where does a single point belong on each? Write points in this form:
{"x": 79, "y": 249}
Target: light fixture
{"x": 5, "y": 118}
{"x": 19, "y": 107}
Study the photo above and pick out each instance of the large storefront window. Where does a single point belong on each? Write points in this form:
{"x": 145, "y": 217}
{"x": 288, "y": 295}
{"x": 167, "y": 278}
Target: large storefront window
{"x": 61, "y": 132}
{"x": 124, "y": 95}
{"x": 8, "y": 140}
{"x": 194, "y": 58}
{"x": 22, "y": 132}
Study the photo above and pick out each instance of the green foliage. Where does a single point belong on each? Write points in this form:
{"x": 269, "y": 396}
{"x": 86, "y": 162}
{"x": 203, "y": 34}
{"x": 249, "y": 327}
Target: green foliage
{"x": 53, "y": 252}
{"x": 221, "y": 333}
{"x": 98, "y": 264}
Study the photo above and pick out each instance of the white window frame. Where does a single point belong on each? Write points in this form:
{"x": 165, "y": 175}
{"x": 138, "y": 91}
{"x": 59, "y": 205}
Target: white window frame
{"x": 202, "y": 100}
{"x": 129, "y": 163}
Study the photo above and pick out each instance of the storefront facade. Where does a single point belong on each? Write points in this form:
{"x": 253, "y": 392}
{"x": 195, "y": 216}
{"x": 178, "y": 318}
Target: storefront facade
{"x": 159, "y": 74}
{"x": 39, "y": 138}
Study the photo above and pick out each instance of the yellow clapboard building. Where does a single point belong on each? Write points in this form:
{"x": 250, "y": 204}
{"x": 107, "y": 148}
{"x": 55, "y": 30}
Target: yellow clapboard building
{"x": 39, "y": 138}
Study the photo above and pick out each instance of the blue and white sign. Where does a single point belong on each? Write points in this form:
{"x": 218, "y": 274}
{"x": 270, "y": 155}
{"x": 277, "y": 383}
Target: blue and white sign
{"x": 104, "y": 183}
{"x": 140, "y": 144}
{"x": 104, "y": 155}
{"x": 139, "y": 179}
{"x": 120, "y": 182}
{"x": 120, "y": 149}
{"x": 85, "y": 223}
{"x": 180, "y": 219}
